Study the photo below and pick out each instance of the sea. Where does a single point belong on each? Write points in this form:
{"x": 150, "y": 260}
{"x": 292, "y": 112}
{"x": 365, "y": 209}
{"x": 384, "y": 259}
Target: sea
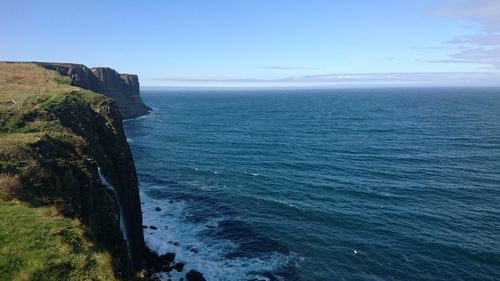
{"x": 309, "y": 185}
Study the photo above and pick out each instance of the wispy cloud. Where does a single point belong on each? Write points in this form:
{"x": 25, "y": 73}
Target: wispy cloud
{"x": 285, "y": 67}
{"x": 485, "y": 56}
{"x": 409, "y": 78}
{"x": 482, "y": 48}
{"x": 485, "y": 12}
{"x": 491, "y": 39}
{"x": 351, "y": 80}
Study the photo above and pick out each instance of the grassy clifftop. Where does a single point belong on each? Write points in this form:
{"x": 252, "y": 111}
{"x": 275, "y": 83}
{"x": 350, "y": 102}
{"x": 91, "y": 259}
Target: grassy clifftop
{"x": 53, "y": 139}
{"x": 39, "y": 244}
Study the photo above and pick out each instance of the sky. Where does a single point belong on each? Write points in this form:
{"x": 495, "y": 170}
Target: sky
{"x": 264, "y": 43}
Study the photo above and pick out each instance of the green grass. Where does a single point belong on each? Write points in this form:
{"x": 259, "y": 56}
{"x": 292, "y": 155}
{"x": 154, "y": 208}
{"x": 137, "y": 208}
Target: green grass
{"x": 29, "y": 85}
{"x": 39, "y": 244}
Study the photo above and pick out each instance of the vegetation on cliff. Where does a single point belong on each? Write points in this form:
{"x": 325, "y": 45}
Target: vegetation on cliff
{"x": 53, "y": 139}
{"x": 122, "y": 88}
{"x": 39, "y": 244}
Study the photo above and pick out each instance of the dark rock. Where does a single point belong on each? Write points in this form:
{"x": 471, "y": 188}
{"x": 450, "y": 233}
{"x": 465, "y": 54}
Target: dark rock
{"x": 158, "y": 209}
{"x": 175, "y": 243}
{"x": 123, "y": 88}
{"x": 167, "y": 258}
{"x": 144, "y": 227}
{"x": 153, "y": 227}
{"x": 157, "y": 263}
{"x": 166, "y": 268}
{"x": 178, "y": 266}
{"x": 194, "y": 275}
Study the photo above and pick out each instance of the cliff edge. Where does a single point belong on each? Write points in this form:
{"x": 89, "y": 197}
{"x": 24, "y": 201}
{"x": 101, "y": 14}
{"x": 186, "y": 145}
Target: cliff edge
{"x": 62, "y": 147}
{"x": 123, "y": 88}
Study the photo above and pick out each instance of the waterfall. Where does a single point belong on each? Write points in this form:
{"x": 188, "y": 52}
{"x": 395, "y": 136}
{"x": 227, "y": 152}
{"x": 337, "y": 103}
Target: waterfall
{"x": 123, "y": 227}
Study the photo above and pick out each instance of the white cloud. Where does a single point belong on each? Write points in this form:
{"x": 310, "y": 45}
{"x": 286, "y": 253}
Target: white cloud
{"x": 490, "y": 39}
{"x": 485, "y": 56}
{"x": 413, "y": 79}
{"x": 284, "y": 67}
{"x": 485, "y": 12}
{"x": 482, "y": 48}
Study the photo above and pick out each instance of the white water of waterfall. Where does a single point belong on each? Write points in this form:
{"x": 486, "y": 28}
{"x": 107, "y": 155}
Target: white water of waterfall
{"x": 123, "y": 227}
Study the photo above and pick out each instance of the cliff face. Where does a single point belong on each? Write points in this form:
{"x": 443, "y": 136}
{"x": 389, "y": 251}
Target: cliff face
{"x": 101, "y": 128}
{"x": 65, "y": 144}
{"x": 123, "y": 88}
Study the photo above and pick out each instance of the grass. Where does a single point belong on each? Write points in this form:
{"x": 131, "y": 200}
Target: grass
{"x": 23, "y": 86}
{"x": 39, "y": 244}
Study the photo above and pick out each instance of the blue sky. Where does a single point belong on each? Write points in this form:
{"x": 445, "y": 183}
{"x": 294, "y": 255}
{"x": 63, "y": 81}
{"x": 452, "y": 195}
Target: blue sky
{"x": 308, "y": 43}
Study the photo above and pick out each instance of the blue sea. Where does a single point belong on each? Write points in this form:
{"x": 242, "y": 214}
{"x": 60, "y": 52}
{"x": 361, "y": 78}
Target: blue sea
{"x": 371, "y": 184}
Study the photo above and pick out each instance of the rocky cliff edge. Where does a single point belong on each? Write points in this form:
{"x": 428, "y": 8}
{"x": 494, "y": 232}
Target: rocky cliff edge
{"x": 123, "y": 88}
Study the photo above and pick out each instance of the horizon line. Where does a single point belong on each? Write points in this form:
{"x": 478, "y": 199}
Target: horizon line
{"x": 357, "y": 87}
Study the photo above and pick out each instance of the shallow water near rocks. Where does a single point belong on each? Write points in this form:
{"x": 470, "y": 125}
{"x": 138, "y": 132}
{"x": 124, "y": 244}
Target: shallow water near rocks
{"x": 396, "y": 184}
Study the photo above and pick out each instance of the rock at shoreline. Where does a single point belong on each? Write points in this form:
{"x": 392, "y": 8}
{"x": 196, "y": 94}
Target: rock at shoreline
{"x": 178, "y": 266}
{"x": 158, "y": 263}
{"x": 167, "y": 258}
{"x": 194, "y": 275}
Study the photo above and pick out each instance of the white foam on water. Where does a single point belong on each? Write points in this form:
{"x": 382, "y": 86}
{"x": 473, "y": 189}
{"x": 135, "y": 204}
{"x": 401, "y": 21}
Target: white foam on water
{"x": 176, "y": 234}
{"x": 123, "y": 227}
{"x": 150, "y": 113}
{"x": 277, "y": 201}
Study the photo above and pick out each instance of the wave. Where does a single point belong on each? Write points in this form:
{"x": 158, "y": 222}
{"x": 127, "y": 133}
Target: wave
{"x": 198, "y": 244}
{"x": 150, "y": 113}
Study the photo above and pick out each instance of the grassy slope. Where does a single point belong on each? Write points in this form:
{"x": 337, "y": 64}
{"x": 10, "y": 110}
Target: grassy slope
{"x": 28, "y": 84}
{"x": 39, "y": 243}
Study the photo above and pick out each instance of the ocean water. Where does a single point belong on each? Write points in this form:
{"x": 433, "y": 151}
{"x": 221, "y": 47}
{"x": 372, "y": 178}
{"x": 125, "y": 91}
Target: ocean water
{"x": 396, "y": 184}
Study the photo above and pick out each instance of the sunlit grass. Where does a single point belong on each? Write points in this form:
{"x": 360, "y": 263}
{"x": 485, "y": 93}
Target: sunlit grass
{"x": 39, "y": 244}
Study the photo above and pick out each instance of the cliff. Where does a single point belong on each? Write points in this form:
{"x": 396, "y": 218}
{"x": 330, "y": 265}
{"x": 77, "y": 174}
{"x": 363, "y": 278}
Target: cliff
{"x": 63, "y": 146}
{"x": 123, "y": 88}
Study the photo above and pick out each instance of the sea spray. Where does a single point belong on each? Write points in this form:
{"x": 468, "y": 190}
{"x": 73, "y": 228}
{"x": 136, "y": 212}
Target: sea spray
{"x": 123, "y": 227}
{"x": 196, "y": 245}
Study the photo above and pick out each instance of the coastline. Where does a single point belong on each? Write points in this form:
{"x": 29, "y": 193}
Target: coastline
{"x": 162, "y": 258}
{"x": 206, "y": 241}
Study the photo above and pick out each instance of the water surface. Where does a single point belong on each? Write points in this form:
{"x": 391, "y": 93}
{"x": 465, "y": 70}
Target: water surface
{"x": 399, "y": 184}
